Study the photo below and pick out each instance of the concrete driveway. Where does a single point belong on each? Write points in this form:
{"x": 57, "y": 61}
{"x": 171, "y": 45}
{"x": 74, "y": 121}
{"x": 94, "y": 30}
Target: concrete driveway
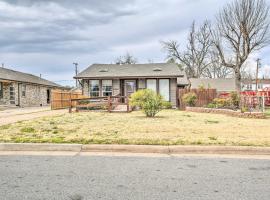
{"x": 13, "y": 115}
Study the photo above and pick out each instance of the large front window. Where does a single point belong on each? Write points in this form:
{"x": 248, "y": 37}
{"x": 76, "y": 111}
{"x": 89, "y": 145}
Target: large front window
{"x": 106, "y": 88}
{"x": 152, "y": 84}
{"x": 94, "y": 88}
{"x": 164, "y": 88}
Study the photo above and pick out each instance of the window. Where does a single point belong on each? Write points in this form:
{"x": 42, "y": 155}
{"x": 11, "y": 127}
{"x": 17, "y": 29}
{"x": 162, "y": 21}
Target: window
{"x": 164, "y": 88}
{"x": 94, "y": 88}
{"x": 151, "y": 84}
{"x": 1, "y": 90}
{"x": 23, "y": 90}
{"x": 106, "y": 88}
{"x": 12, "y": 94}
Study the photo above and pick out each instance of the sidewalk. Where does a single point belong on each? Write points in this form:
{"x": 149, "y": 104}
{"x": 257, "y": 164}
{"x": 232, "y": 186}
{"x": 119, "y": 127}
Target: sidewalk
{"x": 18, "y": 114}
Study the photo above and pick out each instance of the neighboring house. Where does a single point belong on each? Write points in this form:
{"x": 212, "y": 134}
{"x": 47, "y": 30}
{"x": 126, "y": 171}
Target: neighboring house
{"x": 22, "y": 89}
{"x": 100, "y": 80}
{"x": 220, "y": 84}
{"x": 250, "y": 85}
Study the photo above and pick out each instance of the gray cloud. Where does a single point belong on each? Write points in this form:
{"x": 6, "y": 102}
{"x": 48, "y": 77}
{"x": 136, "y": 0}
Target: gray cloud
{"x": 47, "y": 36}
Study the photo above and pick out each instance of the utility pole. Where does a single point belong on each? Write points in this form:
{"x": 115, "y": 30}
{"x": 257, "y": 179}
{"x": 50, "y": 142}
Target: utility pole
{"x": 257, "y": 73}
{"x": 76, "y": 72}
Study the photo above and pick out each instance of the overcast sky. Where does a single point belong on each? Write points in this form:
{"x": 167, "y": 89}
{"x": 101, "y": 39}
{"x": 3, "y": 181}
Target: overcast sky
{"x": 46, "y": 37}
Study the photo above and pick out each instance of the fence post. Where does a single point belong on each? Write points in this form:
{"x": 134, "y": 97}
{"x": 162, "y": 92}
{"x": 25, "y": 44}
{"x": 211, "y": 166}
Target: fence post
{"x": 109, "y": 104}
{"x": 263, "y": 103}
{"x": 70, "y": 103}
{"x": 127, "y": 104}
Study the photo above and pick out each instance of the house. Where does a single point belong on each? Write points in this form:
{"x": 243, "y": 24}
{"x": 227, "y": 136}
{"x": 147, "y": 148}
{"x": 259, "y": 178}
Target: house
{"x": 101, "y": 80}
{"x": 22, "y": 89}
{"x": 220, "y": 84}
{"x": 250, "y": 85}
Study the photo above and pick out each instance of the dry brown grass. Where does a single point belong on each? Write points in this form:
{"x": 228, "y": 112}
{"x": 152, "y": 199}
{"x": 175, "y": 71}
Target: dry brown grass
{"x": 170, "y": 127}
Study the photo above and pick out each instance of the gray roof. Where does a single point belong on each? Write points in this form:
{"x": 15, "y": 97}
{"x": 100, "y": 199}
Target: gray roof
{"x": 131, "y": 70}
{"x": 221, "y": 84}
{"x": 12, "y": 75}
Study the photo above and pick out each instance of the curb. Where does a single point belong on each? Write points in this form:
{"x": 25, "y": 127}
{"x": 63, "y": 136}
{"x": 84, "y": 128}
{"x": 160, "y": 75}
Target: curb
{"x": 236, "y": 150}
{"x": 39, "y": 147}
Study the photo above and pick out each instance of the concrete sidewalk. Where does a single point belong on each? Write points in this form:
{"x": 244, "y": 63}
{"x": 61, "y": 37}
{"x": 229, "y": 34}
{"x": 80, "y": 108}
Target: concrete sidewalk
{"x": 137, "y": 149}
{"x": 18, "y": 114}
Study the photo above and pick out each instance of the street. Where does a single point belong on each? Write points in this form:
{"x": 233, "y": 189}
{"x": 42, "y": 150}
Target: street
{"x": 83, "y": 177}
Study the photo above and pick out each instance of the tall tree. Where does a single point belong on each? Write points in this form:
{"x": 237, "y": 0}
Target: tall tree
{"x": 195, "y": 58}
{"x": 242, "y": 28}
{"x": 216, "y": 69}
{"x": 126, "y": 59}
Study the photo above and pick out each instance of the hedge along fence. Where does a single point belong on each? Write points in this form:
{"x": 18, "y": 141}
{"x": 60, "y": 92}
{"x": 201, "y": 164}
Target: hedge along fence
{"x": 62, "y": 99}
{"x": 204, "y": 97}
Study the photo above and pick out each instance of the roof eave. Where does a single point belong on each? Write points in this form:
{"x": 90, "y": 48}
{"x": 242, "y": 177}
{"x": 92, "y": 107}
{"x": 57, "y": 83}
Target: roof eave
{"x": 123, "y": 77}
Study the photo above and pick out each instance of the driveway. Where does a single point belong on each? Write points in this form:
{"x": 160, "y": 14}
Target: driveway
{"x": 13, "y": 115}
{"x": 133, "y": 178}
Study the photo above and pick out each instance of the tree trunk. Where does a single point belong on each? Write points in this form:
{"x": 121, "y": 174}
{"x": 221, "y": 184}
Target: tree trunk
{"x": 237, "y": 75}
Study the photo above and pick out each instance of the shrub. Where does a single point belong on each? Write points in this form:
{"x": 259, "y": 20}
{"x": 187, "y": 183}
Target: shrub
{"x": 235, "y": 99}
{"x": 190, "y": 99}
{"x": 244, "y": 109}
{"x": 221, "y": 103}
{"x": 150, "y": 102}
{"x": 167, "y": 105}
{"x": 211, "y": 105}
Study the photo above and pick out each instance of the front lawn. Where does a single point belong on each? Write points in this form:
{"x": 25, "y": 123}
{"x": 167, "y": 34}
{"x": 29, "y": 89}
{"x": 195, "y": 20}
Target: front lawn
{"x": 170, "y": 127}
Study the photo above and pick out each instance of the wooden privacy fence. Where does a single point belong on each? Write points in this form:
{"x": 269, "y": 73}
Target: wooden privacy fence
{"x": 62, "y": 99}
{"x": 204, "y": 96}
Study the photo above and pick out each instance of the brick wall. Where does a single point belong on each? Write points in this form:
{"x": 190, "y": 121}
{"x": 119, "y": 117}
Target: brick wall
{"x": 35, "y": 95}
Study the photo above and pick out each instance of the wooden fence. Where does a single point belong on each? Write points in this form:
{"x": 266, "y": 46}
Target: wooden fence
{"x": 110, "y": 103}
{"x": 62, "y": 99}
{"x": 204, "y": 96}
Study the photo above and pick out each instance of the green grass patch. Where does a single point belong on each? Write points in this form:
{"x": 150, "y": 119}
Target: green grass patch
{"x": 27, "y": 130}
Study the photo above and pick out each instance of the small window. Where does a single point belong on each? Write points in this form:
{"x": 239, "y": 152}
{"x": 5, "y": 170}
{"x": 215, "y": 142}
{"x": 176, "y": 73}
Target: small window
{"x": 106, "y": 88}
{"x": 151, "y": 84}
{"x": 94, "y": 88}
{"x": 1, "y": 90}
{"x": 23, "y": 90}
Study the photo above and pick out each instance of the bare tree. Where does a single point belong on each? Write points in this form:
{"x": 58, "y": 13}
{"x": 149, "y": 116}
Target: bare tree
{"x": 242, "y": 28}
{"x": 196, "y": 57}
{"x": 216, "y": 69}
{"x": 126, "y": 59}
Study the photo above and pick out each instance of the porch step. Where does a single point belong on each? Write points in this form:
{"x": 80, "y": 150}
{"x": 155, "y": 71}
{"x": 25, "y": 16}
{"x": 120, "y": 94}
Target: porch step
{"x": 120, "y": 108}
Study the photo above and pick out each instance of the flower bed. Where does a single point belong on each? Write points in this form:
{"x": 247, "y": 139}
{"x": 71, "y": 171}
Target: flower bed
{"x": 257, "y": 115}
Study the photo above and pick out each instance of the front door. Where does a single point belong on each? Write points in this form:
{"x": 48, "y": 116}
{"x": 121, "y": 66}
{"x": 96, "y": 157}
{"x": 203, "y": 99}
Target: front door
{"x": 130, "y": 87}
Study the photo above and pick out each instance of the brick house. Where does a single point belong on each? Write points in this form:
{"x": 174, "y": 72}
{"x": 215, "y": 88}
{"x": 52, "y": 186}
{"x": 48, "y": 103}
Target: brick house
{"x": 22, "y": 89}
{"x": 101, "y": 80}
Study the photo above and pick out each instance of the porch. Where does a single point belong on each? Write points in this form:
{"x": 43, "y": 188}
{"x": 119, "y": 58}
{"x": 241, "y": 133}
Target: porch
{"x": 124, "y": 87}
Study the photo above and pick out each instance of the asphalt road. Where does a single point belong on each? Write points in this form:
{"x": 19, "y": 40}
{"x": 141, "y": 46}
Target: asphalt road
{"x": 128, "y": 177}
